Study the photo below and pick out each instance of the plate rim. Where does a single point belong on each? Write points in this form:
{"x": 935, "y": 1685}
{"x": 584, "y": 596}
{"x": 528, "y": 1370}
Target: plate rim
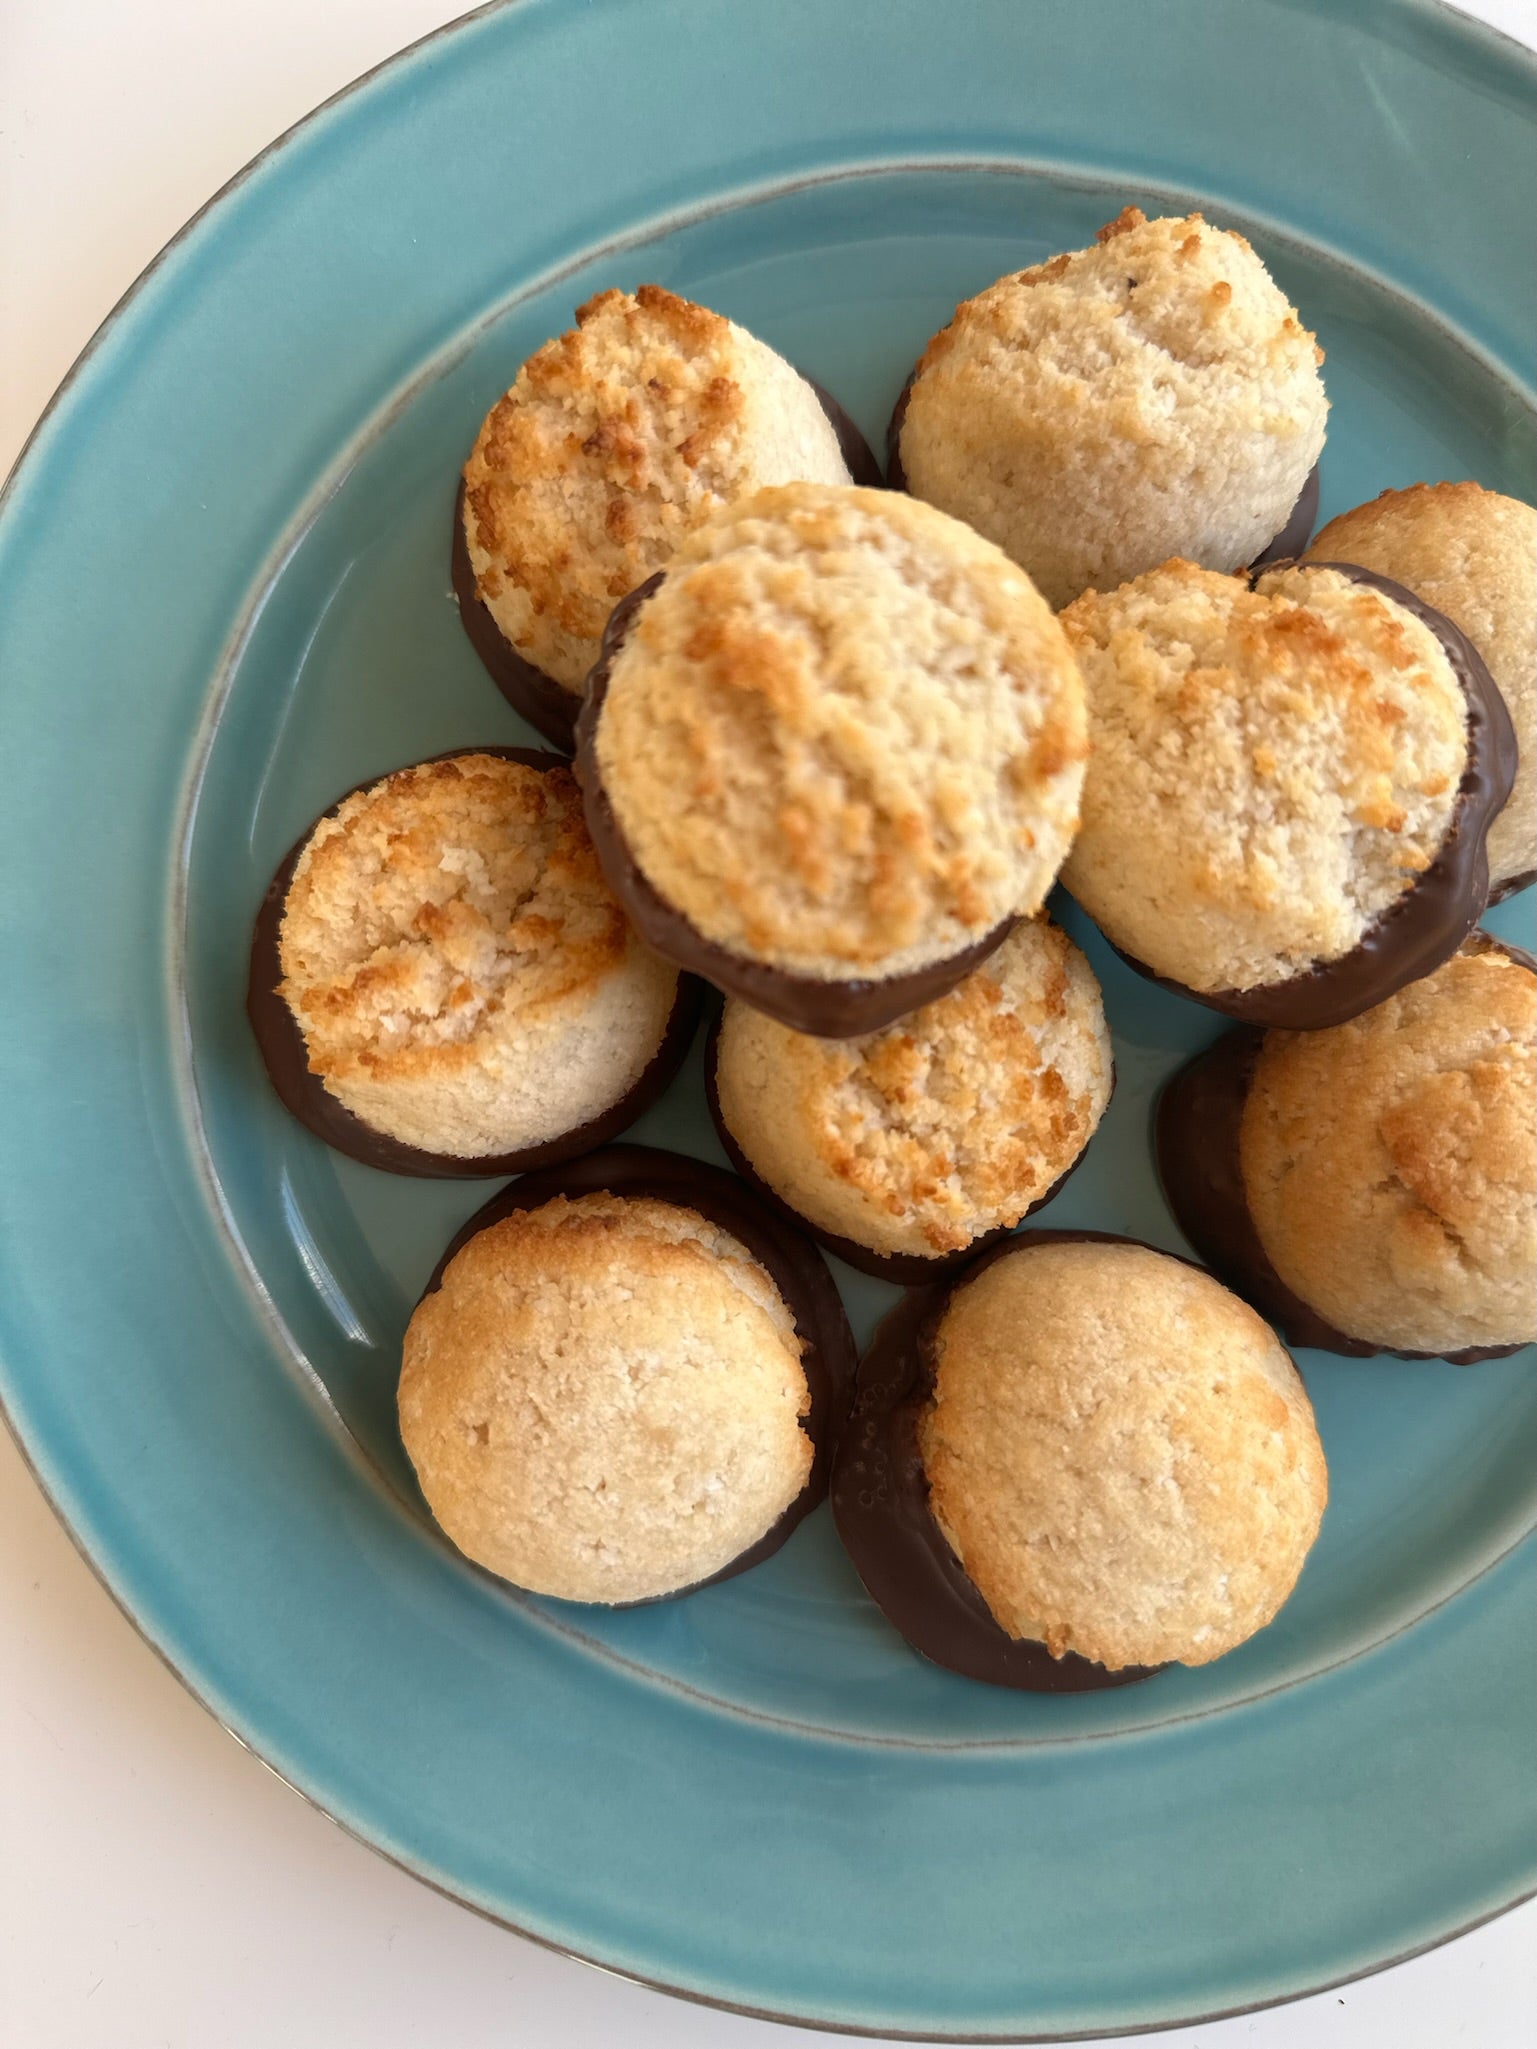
{"x": 1452, "y": 21}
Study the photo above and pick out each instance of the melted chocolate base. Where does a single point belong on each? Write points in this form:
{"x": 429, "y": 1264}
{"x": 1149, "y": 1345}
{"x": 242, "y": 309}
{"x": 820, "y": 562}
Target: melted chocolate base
{"x": 1196, "y": 1126}
{"x": 1291, "y": 540}
{"x": 825, "y": 1010}
{"x": 1500, "y": 890}
{"x": 828, "y": 1357}
{"x": 1425, "y": 926}
{"x": 306, "y": 1097}
{"x": 880, "y": 1496}
{"x": 550, "y": 708}
{"x": 906, "y": 1269}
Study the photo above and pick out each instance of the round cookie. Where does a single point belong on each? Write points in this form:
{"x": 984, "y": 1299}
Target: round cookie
{"x": 1374, "y": 1187}
{"x": 1290, "y": 787}
{"x": 902, "y": 1150}
{"x": 1153, "y": 395}
{"x": 624, "y": 1380}
{"x": 834, "y": 754}
{"x": 1473, "y": 555}
{"x": 442, "y": 983}
{"x": 1082, "y": 1460}
{"x": 614, "y": 441}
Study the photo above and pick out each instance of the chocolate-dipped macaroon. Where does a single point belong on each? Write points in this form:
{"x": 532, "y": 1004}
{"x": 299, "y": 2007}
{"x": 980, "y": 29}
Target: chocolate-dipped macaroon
{"x": 834, "y": 755}
{"x": 624, "y": 1380}
{"x": 1080, "y": 1461}
{"x": 442, "y": 982}
{"x": 1472, "y": 554}
{"x": 1291, "y": 784}
{"x": 903, "y": 1150}
{"x": 615, "y": 440}
{"x": 1153, "y": 395}
{"x": 1373, "y": 1188}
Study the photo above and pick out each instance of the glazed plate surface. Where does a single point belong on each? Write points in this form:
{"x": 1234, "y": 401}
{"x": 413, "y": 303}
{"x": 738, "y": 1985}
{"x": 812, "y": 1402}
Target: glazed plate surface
{"x": 224, "y": 598}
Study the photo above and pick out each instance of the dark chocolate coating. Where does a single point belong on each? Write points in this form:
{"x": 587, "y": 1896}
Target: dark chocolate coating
{"x": 880, "y": 1496}
{"x": 306, "y": 1097}
{"x": 547, "y": 705}
{"x": 1424, "y": 926}
{"x": 1291, "y": 540}
{"x": 827, "y": 1358}
{"x": 1500, "y": 890}
{"x": 1196, "y": 1126}
{"x": 1298, "y": 530}
{"x": 906, "y": 1269}
{"x": 826, "y": 1010}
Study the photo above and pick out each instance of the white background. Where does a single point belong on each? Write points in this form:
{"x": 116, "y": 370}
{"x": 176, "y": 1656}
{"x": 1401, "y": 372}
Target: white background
{"x": 158, "y": 1888}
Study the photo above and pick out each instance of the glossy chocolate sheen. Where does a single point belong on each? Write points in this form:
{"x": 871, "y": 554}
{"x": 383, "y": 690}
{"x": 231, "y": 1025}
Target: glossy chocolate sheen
{"x": 1424, "y": 927}
{"x": 536, "y": 696}
{"x": 1291, "y": 540}
{"x": 906, "y": 1269}
{"x": 1196, "y": 1125}
{"x": 880, "y": 1498}
{"x": 796, "y": 1269}
{"x": 307, "y": 1098}
{"x": 825, "y": 1010}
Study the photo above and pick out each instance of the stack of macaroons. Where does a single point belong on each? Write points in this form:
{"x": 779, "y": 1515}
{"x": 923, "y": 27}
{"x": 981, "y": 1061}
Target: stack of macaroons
{"x": 834, "y": 746}
{"x": 616, "y": 439}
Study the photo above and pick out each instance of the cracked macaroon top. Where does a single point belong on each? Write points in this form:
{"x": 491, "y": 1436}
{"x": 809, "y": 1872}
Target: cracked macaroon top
{"x": 616, "y": 439}
{"x": 924, "y": 1137}
{"x": 1271, "y": 769}
{"x": 1472, "y": 554}
{"x": 1390, "y": 1163}
{"x": 1153, "y": 395}
{"x": 846, "y": 736}
{"x": 1120, "y": 1453}
{"x": 603, "y": 1399}
{"x": 463, "y": 979}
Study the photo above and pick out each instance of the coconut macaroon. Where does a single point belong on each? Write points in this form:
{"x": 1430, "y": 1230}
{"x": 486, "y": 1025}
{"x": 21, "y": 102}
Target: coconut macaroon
{"x": 834, "y": 756}
{"x": 1154, "y": 395}
{"x": 1472, "y": 554}
{"x": 603, "y": 1399}
{"x": 1275, "y": 771}
{"x": 462, "y": 981}
{"x": 1082, "y": 1460}
{"x": 1390, "y": 1165}
{"x": 615, "y": 440}
{"x": 904, "y": 1148}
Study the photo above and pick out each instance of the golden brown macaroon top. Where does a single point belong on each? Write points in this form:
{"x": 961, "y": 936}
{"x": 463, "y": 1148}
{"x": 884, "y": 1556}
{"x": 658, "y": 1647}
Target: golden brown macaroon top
{"x": 923, "y": 1137}
{"x": 846, "y": 736}
{"x": 617, "y": 438}
{"x": 1152, "y": 395}
{"x": 1391, "y": 1163}
{"x": 603, "y": 1399}
{"x": 1120, "y": 1453}
{"x": 1271, "y": 770}
{"x": 1472, "y": 554}
{"x": 433, "y": 899}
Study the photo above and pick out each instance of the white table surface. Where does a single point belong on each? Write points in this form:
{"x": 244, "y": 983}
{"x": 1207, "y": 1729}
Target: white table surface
{"x": 159, "y": 1889}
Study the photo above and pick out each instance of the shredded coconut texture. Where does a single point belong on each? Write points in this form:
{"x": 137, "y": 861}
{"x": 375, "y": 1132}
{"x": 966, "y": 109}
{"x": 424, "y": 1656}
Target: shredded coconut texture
{"x": 923, "y": 1137}
{"x": 1154, "y": 395}
{"x": 462, "y": 977}
{"x": 617, "y": 438}
{"x": 1473, "y": 555}
{"x": 603, "y": 1400}
{"x": 1391, "y": 1163}
{"x": 846, "y": 736}
{"x": 1121, "y": 1454}
{"x": 1271, "y": 769}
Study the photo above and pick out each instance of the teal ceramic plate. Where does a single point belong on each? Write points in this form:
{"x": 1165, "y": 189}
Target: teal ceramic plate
{"x": 224, "y": 598}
